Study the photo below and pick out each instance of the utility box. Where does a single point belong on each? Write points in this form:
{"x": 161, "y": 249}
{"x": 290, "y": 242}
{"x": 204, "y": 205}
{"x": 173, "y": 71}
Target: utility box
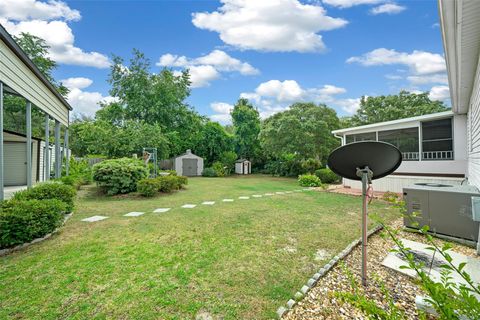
{"x": 446, "y": 209}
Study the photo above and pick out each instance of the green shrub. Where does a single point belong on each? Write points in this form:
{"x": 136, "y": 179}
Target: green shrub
{"x": 310, "y": 165}
{"x": 209, "y": 172}
{"x": 182, "y": 181}
{"x": 309, "y": 180}
{"x": 171, "y": 172}
{"x": 148, "y": 187}
{"x": 390, "y": 196}
{"x": 119, "y": 175}
{"x": 327, "y": 176}
{"x": 219, "y": 169}
{"x": 49, "y": 190}
{"x": 168, "y": 184}
{"x": 228, "y": 158}
{"x": 22, "y": 221}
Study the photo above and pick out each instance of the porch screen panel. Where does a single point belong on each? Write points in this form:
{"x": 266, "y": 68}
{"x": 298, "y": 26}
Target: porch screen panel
{"x": 437, "y": 140}
{"x": 406, "y": 140}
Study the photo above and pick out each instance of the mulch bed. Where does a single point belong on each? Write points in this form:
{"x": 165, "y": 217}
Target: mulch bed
{"x": 321, "y": 302}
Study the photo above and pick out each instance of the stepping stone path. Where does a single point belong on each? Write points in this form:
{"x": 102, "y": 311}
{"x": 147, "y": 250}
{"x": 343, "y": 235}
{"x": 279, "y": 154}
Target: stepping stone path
{"x": 94, "y": 218}
{"x": 189, "y": 206}
{"x": 133, "y": 214}
{"x": 268, "y": 194}
{"x": 280, "y": 192}
{"x": 161, "y": 210}
{"x": 227, "y": 200}
{"x": 288, "y": 192}
{"x": 257, "y": 196}
{"x": 208, "y": 203}
{"x": 243, "y": 198}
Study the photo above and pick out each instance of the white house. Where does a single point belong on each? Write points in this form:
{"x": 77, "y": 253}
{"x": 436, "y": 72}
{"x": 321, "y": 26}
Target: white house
{"x": 433, "y": 146}
{"x": 188, "y": 164}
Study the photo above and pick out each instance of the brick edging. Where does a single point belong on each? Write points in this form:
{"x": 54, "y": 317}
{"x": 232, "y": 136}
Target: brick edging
{"x": 299, "y": 295}
{"x": 7, "y": 251}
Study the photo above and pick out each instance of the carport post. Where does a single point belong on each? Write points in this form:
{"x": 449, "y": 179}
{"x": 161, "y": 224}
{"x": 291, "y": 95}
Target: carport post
{"x": 29, "y": 144}
{"x": 58, "y": 158}
{"x": 1, "y": 141}
{"x": 46, "y": 162}
{"x": 65, "y": 147}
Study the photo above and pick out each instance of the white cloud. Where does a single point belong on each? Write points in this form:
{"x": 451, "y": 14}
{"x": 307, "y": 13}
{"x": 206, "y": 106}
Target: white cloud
{"x": 275, "y": 96}
{"x": 79, "y": 82}
{"x": 426, "y": 79}
{"x": 206, "y": 68}
{"x": 84, "y": 102}
{"x": 419, "y": 62}
{"x": 222, "y": 112}
{"x": 388, "y": 8}
{"x": 280, "y": 25}
{"x": 20, "y": 10}
{"x": 440, "y": 93}
{"x": 350, "y": 3}
{"x": 350, "y": 106}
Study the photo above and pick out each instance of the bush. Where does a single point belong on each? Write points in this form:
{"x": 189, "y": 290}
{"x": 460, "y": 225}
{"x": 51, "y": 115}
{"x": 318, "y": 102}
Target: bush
{"x": 22, "y": 221}
{"x": 390, "y": 196}
{"x": 49, "y": 190}
{"x": 309, "y": 180}
{"x": 119, "y": 175}
{"x": 209, "y": 172}
{"x": 168, "y": 184}
{"x": 228, "y": 158}
{"x": 170, "y": 172}
{"x": 182, "y": 181}
{"x": 219, "y": 169}
{"x": 327, "y": 176}
{"x": 310, "y": 165}
{"x": 148, "y": 187}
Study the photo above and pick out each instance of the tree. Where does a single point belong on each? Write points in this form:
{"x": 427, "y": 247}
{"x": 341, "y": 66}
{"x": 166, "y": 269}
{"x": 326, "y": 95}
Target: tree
{"x": 246, "y": 125}
{"x": 213, "y": 142}
{"x": 393, "y": 107}
{"x": 304, "y": 131}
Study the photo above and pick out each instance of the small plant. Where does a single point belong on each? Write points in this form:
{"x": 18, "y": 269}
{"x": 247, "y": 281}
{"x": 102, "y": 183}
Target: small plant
{"x": 219, "y": 168}
{"x": 326, "y": 175}
{"x": 182, "y": 181}
{"x": 148, "y": 187}
{"x": 390, "y": 196}
{"x": 209, "y": 172}
{"x": 309, "y": 180}
{"x": 119, "y": 175}
{"x": 49, "y": 190}
{"x": 22, "y": 221}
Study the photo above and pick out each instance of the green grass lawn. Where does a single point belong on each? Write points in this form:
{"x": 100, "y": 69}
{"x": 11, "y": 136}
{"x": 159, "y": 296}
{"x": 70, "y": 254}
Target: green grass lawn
{"x": 233, "y": 260}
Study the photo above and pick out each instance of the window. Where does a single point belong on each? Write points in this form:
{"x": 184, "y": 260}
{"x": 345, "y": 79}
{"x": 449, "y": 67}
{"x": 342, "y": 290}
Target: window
{"x": 437, "y": 140}
{"x": 406, "y": 140}
{"x": 369, "y": 136}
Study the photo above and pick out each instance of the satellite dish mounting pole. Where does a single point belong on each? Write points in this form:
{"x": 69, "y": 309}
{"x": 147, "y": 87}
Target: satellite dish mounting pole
{"x": 366, "y": 174}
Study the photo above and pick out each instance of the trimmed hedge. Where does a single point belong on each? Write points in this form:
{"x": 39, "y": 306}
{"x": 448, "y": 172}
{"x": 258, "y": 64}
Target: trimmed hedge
{"x": 148, "y": 187}
{"x": 165, "y": 184}
{"x": 119, "y": 175}
{"x": 22, "y": 221}
{"x": 47, "y": 191}
{"x": 327, "y": 176}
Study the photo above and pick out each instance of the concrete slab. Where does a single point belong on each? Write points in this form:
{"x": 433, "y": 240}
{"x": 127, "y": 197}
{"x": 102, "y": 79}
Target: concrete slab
{"x": 94, "y": 218}
{"x": 268, "y": 194}
{"x": 257, "y": 196}
{"x": 134, "y": 214}
{"x": 288, "y": 192}
{"x": 208, "y": 203}
{"x": 280, "y": 192}
{"x": 227, "y": 200}
{"x": 161, "y": 210}
{"x": 432, "y": 262}
{"x": 189, "y": 206}
{"x": 243, "y": 198}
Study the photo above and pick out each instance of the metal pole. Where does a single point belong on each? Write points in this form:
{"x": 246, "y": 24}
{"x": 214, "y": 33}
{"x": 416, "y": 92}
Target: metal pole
{"x": 67, "y": 156}
{"x": 58, "y": 158}
{"x": 364, "y": 227}
{"x": 46, "y": 161}
{"x": 29, "y": 144}
{"x": 1, "y": 142}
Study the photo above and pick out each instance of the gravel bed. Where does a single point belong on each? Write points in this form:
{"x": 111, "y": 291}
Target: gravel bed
{"x": 321, "y": 303}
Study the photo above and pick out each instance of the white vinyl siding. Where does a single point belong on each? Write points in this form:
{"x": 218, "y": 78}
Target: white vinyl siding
{"x": 15, "y": 74}
{"x": 474, "y": 134}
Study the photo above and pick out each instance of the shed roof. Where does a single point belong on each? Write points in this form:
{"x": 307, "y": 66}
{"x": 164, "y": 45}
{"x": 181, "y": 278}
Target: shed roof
{"x": 241, "y": 160}
{"x": 12, "y": 45}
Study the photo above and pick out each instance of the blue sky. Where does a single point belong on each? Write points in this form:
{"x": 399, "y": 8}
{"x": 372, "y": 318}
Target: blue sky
{"x": 273, "y": 52}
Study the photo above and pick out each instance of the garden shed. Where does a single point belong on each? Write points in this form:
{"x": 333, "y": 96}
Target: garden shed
{"x": 243, "y": 166}
{"x": 188, "y": 164}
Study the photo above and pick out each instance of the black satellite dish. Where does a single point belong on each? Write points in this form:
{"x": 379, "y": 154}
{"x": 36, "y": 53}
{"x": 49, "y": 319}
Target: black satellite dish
{"x": 380, "y": 157}
{"x": 365, "y": 161}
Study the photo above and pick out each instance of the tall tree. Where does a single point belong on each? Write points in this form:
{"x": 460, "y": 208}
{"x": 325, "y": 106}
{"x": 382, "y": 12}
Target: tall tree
{"x": 213, "y": 142}
{"x": 303, "y": 130}
{"x": 393, "y": 107}
{"x": 246, "y": 125}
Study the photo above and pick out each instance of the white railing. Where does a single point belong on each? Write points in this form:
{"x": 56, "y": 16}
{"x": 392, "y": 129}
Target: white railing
{"x": 437, "y": 155}
{"x": 410, "y": 156}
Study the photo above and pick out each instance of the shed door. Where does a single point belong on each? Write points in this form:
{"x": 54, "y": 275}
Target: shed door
{"x": 15, "y": 164}
{"x": 189, "y": 167}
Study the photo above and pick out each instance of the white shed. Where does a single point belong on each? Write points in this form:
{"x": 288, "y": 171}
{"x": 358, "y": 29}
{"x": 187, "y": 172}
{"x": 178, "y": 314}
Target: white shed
{"x": 188, "y": 164}
{"x": 243, "y": 166}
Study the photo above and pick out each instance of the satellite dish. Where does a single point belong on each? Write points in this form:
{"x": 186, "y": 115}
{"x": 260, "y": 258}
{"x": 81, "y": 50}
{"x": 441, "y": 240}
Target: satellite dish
{"x": 380, "y": 157}
{"x": 365, "y": 161}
